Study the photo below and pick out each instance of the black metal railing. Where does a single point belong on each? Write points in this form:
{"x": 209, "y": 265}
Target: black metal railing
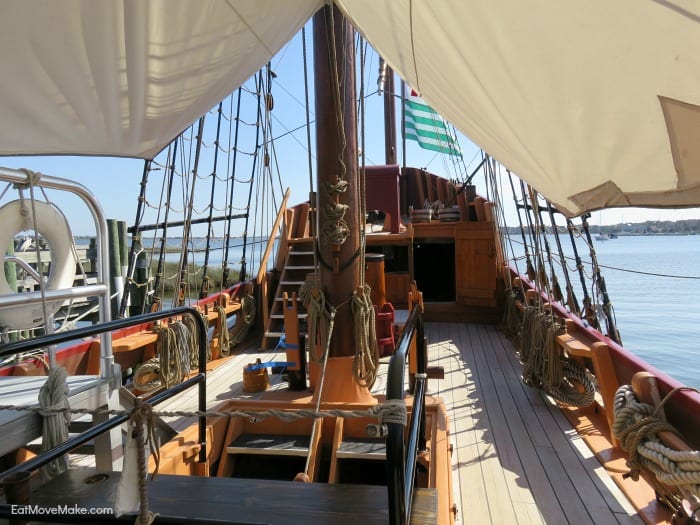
{"x": 91, "y": 433}
{"x": 402, "y": 453}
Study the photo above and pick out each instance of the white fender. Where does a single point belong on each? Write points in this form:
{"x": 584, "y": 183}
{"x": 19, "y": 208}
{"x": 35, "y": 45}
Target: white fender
{"x": 52, "y": 225}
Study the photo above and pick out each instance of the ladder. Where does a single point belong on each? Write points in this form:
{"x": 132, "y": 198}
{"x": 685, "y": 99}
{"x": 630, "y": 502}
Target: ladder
{"x": 298, "y": 264}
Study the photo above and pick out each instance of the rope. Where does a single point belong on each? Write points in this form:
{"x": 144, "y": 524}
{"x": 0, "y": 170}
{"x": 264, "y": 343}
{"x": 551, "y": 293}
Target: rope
{"x": 224, "y": 336}
{"x": 253, "y": 415}
{"x": 637, "y": 426}
{"x": 193, "y": 340}
{"x": 566, "y": 391}
{"x": 244, "y": 321}
{"x": 322, "y": 380}
{"x": 150, "y": 368}
{"x": 143, "y": 417}
{"x": 53, "y": 403}
{"x": 366, "y": 359}
{"x": 544, "y": 368}
{"x": 173, "y": 353}
{"x": 314, "y": 300}
{"x": 393, "y": 411}
{"x": 512, "y": 321}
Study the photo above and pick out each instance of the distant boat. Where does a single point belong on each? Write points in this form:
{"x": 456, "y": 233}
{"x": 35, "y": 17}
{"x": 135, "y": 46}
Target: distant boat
{"x": 602, "y": 237}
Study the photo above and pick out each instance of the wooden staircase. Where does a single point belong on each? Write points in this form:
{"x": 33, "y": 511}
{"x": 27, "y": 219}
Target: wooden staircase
{"x": 298, "y": 264}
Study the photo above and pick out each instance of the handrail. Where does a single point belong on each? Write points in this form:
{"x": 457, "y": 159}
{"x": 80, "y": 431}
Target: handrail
{"x": 84, "y": 437}
{"x": 271, "y": 239}
{"x": 401, "y": 457}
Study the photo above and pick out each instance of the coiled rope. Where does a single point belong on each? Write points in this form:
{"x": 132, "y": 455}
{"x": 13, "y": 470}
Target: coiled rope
{"x": 366, "y": 359}
{"x": 245, "y": 319}
{"x": 512, "y": 321}
{"x": 53, "y": 403}
{"x": 147, "y": 376}
{"x": 637, "y": 426}
{"x": 543, "y": 366}
{"x": 192, "y": 341}
{"x": 318, "y": 316}
{"x": 173, "y": 348}
{"x": 223, "y": 333}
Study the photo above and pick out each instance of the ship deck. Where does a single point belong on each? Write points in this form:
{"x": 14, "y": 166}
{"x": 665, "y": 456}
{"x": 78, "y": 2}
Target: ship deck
{"x": 516, "y": 457}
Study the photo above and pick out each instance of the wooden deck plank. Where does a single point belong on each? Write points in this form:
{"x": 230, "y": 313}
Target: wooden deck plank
{"x": 596, "y": 498}
{"x": 502, "y": 419}
{"x": 533, "y": 476}
{"x": 535, "y": 449}
{"x": 516, "y": 457}
{"x": 489, "y": 419}
{"x": 466, "y": 467}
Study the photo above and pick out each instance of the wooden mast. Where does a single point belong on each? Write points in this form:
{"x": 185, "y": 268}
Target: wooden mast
{"x": 387, "y": 75}
{"x": 339, "y": 262}
{"x": 336, "y": 140}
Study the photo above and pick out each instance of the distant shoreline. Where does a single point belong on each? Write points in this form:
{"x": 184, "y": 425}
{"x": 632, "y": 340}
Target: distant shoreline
{"x": 635, "y": 229}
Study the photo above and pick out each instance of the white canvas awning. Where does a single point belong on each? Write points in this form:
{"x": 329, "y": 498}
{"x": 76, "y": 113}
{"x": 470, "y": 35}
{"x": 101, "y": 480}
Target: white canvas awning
{"x": 595, "y": 103}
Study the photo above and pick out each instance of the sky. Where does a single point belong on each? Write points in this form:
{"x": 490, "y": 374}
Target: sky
{"x": 116, "y": 182}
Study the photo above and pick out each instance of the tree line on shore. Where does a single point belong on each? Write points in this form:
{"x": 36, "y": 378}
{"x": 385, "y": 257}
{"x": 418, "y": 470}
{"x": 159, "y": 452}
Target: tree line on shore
{"x": 682, "y": 227}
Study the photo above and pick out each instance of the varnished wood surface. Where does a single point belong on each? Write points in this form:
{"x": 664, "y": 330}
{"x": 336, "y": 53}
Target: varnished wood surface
{"x": 231, "y": 500}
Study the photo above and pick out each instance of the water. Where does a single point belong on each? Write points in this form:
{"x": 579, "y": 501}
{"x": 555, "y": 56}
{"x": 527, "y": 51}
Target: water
{"x": 658, "y": 317}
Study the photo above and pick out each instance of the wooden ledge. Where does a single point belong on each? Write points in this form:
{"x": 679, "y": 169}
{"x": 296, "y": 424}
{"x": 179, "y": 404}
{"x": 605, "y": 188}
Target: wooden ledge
{"x": 134, "y": 341}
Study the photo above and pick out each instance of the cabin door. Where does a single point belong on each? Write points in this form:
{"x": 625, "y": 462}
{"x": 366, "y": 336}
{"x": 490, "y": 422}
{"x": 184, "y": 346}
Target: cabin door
{"x": 475, "y": 258}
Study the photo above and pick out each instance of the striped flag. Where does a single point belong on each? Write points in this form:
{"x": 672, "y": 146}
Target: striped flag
{"x": 428, "y": 128}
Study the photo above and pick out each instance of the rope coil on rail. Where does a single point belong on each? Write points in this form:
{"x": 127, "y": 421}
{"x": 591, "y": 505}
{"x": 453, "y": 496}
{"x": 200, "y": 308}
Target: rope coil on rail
{"x": 637, "y": 426}
{"x": 543, "y": 367}
{"x": 245, "y": 319}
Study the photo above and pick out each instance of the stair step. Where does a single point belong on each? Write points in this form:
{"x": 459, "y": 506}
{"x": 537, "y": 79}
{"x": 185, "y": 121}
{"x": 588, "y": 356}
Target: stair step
{"x": 292, "y": 283}
{"x": 293, "y": 267}
{"x": 270, "y": 445}
{"x": 361, "y": 448}
{"x": 281, "y": 316}
{"x": 293, "y": 252}
{"x": 274, "y": 334}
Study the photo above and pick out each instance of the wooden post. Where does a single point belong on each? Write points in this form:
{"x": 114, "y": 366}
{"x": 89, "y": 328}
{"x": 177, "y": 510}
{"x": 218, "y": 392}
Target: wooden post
{"x": 115, "y": 277}
{"x": 10, "y": 268}
{"x": 139, "y": 290}
{"x": 296, "y": 373}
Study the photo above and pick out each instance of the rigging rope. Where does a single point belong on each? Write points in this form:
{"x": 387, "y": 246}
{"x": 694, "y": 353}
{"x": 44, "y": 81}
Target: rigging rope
{"x": 204, "y": 290}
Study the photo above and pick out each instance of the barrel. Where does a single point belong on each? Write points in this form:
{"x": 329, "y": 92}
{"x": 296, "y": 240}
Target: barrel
{"x": 374, "y": 277}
